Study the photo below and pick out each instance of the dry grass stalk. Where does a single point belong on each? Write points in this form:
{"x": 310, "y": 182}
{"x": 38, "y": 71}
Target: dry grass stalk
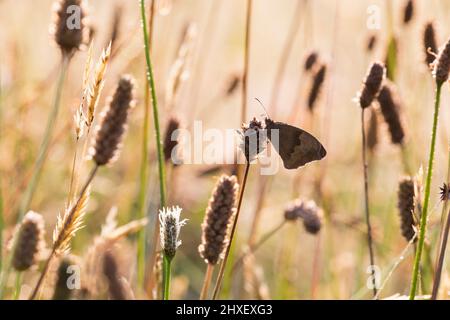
{"x": 69, "y": 224}
{"x": 29, "y": 241}
{"x": 170, "y": 139}
{"x": 97, "y": 85}
{"x": 178, "y": 71}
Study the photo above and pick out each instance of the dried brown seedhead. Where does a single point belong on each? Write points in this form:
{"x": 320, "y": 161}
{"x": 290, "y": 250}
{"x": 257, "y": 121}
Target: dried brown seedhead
{"x": 218, "y": 218}
{"x": 429, "y": 42}
{"x": 69, "y": 28}
{"x": 372, "y": 84}
{"x": 445, "y": 192}
{"x": 441, "y": 66}
{"x": 391, "y": 110}
{"x": 29, "y": 242}
{"x": 112, "y": 127}
{"x": 406, "y": 206}
{"x": 317, "y": 84}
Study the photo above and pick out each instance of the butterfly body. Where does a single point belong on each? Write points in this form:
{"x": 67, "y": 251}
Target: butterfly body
{"x": 295, "y": 146}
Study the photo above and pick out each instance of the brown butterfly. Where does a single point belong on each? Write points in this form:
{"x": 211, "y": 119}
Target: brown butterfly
{"x": 295, "y": 146}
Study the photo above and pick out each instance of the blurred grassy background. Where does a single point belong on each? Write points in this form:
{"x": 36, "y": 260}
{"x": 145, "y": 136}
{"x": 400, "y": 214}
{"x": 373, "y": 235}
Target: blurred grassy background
{"x": 336, "y": 29}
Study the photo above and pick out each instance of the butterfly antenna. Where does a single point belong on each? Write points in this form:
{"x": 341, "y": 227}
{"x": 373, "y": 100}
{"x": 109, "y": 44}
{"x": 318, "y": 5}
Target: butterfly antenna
{"x": 264, "y": 108}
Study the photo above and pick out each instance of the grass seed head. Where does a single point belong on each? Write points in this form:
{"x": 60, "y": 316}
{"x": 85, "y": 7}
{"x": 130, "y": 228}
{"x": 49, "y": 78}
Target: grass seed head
{"x": 372, "y": 84}
{"x": 113, "y": 123}
{"x": 442, "y": 64}
{"x": 170, "y": 225}
{"x": 170, "y": 140}
{"x": 29, "y": 241}
{"x": 218, "y": 218}
{"x": 316, "y": 87}
{"x": 69, "y": 27}
{"x": 311, "y": 60}
{"x": 390, "y": 109}
{"x": 406, "y": 206}
{"x": 307, "y": 211}
{"x": 429, "y": 42}
{"x": 62, "y": 291}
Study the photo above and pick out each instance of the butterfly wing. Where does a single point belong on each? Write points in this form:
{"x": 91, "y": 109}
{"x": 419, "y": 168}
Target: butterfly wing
{"x": 296, "y": 147}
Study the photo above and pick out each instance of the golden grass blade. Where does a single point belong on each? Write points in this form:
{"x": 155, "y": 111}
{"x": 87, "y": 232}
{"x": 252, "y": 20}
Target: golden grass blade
{"x": 69, "y": 224}
{"x": 96, "y": 88}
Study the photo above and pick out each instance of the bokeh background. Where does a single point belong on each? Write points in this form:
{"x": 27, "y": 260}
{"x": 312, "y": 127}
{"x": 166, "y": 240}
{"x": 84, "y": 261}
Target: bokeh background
{"x": 292, "y": 264}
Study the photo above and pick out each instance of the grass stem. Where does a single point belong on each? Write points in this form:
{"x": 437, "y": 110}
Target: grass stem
{"x": 424, "y": 216}
{"x": 441, "y": 256}
{"x": 248, "y": 23}
{"x": 207, "y": 281}
{"x": 233, "y": 230}
{"x": 166, "y": 275}
{"x": 443, "y": 239}
{"x": 366, "y": 200}
{"x": 55, "y": 249}
{"x": 18, "y": 285}
{"x": 143, "y": 173}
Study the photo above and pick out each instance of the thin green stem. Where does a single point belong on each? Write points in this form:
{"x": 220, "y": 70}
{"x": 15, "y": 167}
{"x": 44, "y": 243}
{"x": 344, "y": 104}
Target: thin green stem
{"x": 166, "y": 275}
{"x": 159, "y": 146}
{"x": 18, "y": 284}
{"x": 143, "y": 174}
{"x": 42, "y": 155}
{"x": 151, "y": 82}
{"x": 424, "y": 217}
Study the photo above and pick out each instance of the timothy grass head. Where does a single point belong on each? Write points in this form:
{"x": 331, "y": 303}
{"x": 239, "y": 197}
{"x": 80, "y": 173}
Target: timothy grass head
{"x": 218, "y": 218}
{"x": 29, "y": 241}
